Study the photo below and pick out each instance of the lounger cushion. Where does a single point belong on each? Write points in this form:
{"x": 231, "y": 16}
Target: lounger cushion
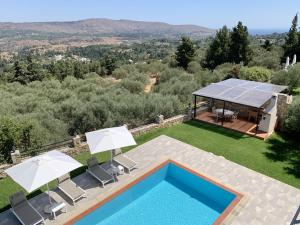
{"x": 117, "y": 151}
{"x": 124, "y": 161}
{"x": 63, "y": 178}
{"x": 17, "y": 198}
{"x": 70, "y": 188}
{"x": 92, "y": 162}
{"x": 27, "y": 214}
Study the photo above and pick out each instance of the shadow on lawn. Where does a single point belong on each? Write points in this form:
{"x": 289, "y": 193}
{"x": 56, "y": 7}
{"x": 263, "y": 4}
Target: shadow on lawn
{"x": 285, "y": 149}
{"x": 217, "y": 129}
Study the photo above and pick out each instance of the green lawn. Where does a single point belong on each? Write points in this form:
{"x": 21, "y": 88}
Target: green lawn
{"x": 277, "y": 157}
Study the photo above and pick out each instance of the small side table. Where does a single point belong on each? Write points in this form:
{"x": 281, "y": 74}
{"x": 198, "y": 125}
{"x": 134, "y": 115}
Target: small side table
{"x": 117, "y": 170}
{"x": 121, "y": 169}
{"x": 54, "y": 208}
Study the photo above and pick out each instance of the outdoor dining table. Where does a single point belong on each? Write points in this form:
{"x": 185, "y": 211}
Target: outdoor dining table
{"x": 227, "y": 112}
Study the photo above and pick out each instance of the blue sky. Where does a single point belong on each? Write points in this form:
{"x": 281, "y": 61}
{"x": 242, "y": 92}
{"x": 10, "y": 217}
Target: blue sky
{"x": 210, "y": 13}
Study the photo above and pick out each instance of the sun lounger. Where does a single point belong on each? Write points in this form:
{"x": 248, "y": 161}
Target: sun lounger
{"x": 24, "y": 211}
{"x": 98, "y": 172}
{"x": 124, "y": 160}
{"x": 69, "y": 188}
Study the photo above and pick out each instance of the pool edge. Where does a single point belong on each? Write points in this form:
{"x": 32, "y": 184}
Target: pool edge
{"x": 224, "y": 215}
{"x": 230, "y": 208}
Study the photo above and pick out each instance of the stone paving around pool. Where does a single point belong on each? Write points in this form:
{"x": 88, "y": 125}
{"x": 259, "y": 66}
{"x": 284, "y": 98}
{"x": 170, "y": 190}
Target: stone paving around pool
{"x": 266, "y": 201}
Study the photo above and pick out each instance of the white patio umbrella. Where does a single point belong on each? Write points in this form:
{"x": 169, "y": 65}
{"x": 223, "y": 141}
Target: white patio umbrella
{"x": 109, "y": 139}
{"x": 294, "y": 59}
{"x": 40, "y": 170}
{"x": 287, "y": 62}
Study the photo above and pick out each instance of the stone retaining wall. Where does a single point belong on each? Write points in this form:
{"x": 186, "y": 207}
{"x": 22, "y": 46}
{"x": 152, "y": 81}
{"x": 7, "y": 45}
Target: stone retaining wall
{"x": 165, "y": 123}
{"x": 283, "y": 102}
{"x": 81, "y": 147}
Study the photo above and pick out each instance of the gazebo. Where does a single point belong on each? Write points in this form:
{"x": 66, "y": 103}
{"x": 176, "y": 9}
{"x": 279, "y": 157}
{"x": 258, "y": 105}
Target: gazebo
{"x": 246, "y": 106}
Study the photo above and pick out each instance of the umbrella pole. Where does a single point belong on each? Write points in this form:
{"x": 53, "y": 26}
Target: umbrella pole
{"x": 111, "y": 158}
{"x": 49, "y": 194}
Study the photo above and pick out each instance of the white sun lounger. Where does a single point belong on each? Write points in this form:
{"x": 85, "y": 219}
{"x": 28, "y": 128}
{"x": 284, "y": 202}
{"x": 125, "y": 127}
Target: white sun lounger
{"x": 124, "y": 160}
{"x": 69, "y": 188}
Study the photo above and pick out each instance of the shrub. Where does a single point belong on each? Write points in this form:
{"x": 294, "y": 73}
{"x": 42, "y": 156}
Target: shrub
{"x": 169, "y": 73}
{"x": 269, "y": 59}
{"x": 194, "y": 67}
{"x": 143, "y": 78}
{"x": 227, "y": 70}
{"x": 154, "y": 67}
{"x": 132, "y": 85}
{"x": 292, "y": 120}
{"x": 120, "y": 73}
{"x": 8, "y": 138}
{"x": 180, "y": 88}
{"x": 290, "y": 78}
{"x": 255, "y": 73}
{"x": 23, "y": 134}
{"x": 207, "y": 77}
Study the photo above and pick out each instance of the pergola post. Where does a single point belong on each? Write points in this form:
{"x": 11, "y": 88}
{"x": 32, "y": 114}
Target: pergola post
{"x": 223, "y": 113}
{"x": 195, "y": 105}
{"x": 257, "y": 121}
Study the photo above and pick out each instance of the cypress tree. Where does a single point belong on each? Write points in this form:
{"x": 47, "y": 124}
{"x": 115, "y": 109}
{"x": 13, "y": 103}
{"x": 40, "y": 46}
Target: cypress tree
{"x": 267, "y": 45}
{"x": 239, "y": 45}
{"x": 292, "y": 40}
{"x": 19, "y": 72}
{"x": 185, "y": 52}
{"x": 109, "y": 64}
{"x": 219, "y": 49}
{"x": 34, "y": 71}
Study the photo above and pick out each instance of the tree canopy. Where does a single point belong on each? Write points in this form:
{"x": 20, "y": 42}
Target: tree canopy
{"x": 229, "y": 46}
{"x": 292, "y": 40}
{"x": 185, "y": 52}
{"x": 219, "y": 50}
{"x": 239, "y": 45}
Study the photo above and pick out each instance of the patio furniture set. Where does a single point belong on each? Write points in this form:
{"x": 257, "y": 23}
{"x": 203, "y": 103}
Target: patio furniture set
{"x": 227, "y": 115}
{"x": 40, "y": 170}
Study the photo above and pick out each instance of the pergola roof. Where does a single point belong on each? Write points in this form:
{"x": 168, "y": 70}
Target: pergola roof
{"x": 244, "y": 92}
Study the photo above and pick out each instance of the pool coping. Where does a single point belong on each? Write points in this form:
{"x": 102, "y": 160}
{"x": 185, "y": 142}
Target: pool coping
{"x": 221, "y": 219}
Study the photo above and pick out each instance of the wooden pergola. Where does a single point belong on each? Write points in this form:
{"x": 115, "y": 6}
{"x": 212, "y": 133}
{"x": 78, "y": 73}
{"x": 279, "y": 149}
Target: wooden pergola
{"x": 240, "y": 92}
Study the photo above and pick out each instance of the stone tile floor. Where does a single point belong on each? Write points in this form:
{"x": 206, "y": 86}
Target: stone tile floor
{"x": 266, "y": 202}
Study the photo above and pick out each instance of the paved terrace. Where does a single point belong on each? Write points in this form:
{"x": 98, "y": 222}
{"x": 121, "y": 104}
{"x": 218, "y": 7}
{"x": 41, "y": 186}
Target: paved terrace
{"x": 266, "y": 201}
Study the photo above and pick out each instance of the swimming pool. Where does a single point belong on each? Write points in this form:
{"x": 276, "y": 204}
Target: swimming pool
{"x": 170, "y": 194}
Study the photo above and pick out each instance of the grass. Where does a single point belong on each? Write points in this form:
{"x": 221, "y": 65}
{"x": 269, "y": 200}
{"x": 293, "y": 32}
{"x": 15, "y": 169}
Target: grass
{"x": 296, "y": 91}
{"x": 278, "y": 157}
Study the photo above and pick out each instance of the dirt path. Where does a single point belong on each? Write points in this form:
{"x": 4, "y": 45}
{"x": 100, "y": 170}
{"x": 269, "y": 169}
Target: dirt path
{"x": 149, "y": 86}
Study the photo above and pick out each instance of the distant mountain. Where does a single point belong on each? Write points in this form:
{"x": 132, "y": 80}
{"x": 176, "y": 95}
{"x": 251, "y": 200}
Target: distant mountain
{"x": 59, "y": 35}
{"x": 108, "y": 26}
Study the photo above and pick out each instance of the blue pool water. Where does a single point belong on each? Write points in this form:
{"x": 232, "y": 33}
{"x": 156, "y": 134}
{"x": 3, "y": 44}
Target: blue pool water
{"x": 169, "y": 196}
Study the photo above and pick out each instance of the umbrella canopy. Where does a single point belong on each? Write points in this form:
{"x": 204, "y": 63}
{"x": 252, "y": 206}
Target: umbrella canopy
{"x": 294, "y": 60}
{"x": 287, "y": 62}
{"x": 40, "y": 170}
{"x": 109, "y": 139}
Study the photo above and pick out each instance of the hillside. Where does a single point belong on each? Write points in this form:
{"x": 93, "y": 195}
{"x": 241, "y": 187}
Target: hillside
{"x": 108, "y": 26}
{"x": 14, "y": 36}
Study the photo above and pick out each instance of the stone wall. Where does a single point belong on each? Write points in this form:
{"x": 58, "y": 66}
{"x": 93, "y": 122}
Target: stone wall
{"x": 283, "y": 102}
{"x": 81, "y": 147}
{"x": 165, "y": 123}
